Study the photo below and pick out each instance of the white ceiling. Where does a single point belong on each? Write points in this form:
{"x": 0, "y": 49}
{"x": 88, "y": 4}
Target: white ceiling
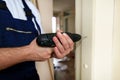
{"x": 62, "y": 5}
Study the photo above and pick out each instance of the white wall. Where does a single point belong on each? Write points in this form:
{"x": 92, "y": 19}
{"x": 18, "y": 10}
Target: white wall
{"x": 78, "y": 26}
{"x": 87, "y": 26}
{"x": 46, "y": 11}
{"x": 101, "y": 37}
{"x": 116, "y": 43}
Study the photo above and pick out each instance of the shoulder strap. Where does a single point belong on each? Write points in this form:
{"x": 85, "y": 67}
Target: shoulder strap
{"x": 29, "y": 15}
{"x": 27, "y": 10}
{"x": 3, "y": 5}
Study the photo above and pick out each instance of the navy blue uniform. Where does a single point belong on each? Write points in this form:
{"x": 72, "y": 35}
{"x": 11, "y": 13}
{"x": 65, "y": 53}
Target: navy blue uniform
{"x": 15, "y": 33}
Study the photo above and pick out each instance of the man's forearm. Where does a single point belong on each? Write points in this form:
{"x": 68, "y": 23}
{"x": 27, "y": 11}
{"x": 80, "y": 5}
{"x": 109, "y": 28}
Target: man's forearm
{"x": 12, "y": 56}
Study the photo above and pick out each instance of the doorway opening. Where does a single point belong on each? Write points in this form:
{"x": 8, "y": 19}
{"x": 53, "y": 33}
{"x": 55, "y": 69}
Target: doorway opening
{"x": 64, "y": 19}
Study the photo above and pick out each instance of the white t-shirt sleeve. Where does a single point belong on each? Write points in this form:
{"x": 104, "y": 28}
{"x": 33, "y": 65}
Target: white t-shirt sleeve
{"x": 16, "y": 9}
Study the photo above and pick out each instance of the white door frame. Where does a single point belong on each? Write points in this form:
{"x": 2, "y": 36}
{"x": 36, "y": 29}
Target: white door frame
{"x": 94, "y": 21}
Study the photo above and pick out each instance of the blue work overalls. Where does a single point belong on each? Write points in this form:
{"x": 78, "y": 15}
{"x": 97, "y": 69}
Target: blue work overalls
{"x": 16, "y": 33}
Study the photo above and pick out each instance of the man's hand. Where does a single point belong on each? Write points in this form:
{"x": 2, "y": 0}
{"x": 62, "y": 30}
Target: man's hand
{"x": 33, "y": 52}
{"x": 64, "y": 45}
{"x": 37, "y": 53}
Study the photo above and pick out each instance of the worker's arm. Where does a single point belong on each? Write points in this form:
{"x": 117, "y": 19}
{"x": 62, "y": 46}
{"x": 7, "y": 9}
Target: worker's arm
{"x": 12, "y": 56}
{"x": 33, "y": 52}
